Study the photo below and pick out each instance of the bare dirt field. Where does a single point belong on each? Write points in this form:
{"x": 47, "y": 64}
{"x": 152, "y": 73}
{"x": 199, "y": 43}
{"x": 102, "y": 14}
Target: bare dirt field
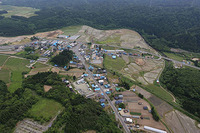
{"x": 73, "y": 72}
{"x": 139, "y": 62}
{"x": 47, "y": 88}
{"x": 121, "y": 37}
{"x": 146, "y": 94}
{"x": 125, "y": 58}
{"x": 181, "y": 123}
{"x": 54, "y": 69}
{"x": 21, "y": 39}
{"x": 8, "y": 52}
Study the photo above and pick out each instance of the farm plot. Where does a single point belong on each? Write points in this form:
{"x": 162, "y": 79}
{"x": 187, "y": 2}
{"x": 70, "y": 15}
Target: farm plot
{"x": 114, "y": 64}
{"x": 132, "y": 100}
{"x": 180, "y": 123}
{"x": 16, "y": 66}
{"x": 73, "y": 72}
{"x": 143, "y": 70}
{"x": 39, "y": 67}
{"x": 44, "y": 110}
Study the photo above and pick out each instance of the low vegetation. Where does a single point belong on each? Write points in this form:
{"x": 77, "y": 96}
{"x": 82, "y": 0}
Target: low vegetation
{"x": 71, "y": 30}
{"x": 114, "y": 64}
{"x": 3, "y": 59}
{"x": 44, "y": 110}
{"x": 5, "y": 75}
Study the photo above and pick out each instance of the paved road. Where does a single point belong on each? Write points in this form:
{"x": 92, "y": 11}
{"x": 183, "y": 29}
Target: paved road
{"x": 75, "y": 49}
{"x": 166, "y": 58}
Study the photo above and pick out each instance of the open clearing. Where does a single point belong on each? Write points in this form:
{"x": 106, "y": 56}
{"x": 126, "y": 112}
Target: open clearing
{"x": 16, "y": 66}
{"x": 73, "y": 72}
{"x": 18, "y": 11}
{"x": 19, "y": 40}
{"x": 45, "y": 109}
{"x": 71, "y": 30}
{"x": 47, "y": 88}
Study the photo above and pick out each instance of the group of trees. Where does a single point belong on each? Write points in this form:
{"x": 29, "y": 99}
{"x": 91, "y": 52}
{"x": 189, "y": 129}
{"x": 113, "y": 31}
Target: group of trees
{"x": 184, "y": 84}
{"x": 163, "y": 24}
{"x": 13, "y": 106}
{"x": 63, "y": 58}
{"x": 80, "y": 114}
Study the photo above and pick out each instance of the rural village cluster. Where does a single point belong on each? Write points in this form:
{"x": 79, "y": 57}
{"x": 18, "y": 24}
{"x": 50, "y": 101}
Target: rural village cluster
{"x": 94, "y": 82}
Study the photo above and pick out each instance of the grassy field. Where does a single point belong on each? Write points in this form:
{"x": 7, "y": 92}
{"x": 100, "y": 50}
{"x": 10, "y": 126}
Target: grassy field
{"x": 110, "y": 40}
{"x": 174, "y": 56}
{"x": 71, "y": 30}
{"x": 4, "y": 75}
{"x": 45, "y": 109}
{"x": 159, "y": 92}
{"x": 2, "y": 59}
{"x": 114, "y": 64}
{"x": 40, "y": 65}
{"x": 18, "y": 11}
{"x": 16, "y": 66}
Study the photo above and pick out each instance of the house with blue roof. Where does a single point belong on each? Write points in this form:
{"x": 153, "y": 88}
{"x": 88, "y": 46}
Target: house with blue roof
{"x": 119, "y": 109}
{"x": 103, "y": 105}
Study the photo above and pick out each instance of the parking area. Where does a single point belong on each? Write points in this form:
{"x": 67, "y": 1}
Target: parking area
{"x": 83, "y": 89}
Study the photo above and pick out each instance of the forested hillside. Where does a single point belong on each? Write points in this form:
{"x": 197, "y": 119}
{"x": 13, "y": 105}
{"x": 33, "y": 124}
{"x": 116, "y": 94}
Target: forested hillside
{"x": 164, "y": 24}
{"x": 185, "y": 85}
{"x": 79, "y": 115}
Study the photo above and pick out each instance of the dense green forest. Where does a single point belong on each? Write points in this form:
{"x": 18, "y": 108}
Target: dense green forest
{"x": 63, "y": 58}
{"x": 184, "y": 84}
{"x": 13, "y": 106}
{"x": 164, "y": 24}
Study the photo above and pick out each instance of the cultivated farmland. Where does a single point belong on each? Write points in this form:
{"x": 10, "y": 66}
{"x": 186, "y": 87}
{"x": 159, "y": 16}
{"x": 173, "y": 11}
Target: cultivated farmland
{"x": 16, "y": 66}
